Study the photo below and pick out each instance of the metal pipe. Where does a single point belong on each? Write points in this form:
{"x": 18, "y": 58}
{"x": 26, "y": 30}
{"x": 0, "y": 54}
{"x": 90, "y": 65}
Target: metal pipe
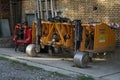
{"x": 46, "y": 4}
{"x": 38, "y": 27}
{"x": 53, "y": 8}
{"x": 52, "y": 11}
{"x": 37, "y": 9}
{"x": 78, "y": 35}
{"x": 40, "y": 5}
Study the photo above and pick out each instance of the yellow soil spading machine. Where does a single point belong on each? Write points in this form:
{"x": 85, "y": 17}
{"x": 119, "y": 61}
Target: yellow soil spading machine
{"x": 78, "y": 38}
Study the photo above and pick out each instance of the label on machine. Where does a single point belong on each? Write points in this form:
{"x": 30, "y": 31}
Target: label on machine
{"x": 102, "y": 36}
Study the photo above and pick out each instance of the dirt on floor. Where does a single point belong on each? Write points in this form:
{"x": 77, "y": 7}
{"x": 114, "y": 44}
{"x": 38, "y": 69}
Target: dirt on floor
{"x": 12, "y": 70}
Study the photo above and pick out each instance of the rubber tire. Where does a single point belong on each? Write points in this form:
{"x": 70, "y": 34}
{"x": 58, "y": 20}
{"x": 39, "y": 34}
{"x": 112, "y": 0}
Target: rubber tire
{"x": 81, "y": 59}
{"x": 30, "y": 50}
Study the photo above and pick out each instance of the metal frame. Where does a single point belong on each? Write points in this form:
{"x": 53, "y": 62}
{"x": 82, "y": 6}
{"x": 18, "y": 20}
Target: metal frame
{"x": 49, "y": 5}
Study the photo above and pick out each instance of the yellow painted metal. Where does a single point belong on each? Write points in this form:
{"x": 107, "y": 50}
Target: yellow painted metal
{"x": 34, "y": 32}
{"x": 63, "y": 30}
{"x": 97, "y": 38}
{"x": 104, "y": 38}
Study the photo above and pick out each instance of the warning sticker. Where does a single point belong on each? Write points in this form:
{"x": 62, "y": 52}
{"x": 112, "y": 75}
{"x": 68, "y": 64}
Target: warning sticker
{"x": 102, "y": 38}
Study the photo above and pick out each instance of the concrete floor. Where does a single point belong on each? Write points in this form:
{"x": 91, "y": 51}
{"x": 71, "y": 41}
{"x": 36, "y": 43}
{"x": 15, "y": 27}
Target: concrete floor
{"x": 100, "y": 69}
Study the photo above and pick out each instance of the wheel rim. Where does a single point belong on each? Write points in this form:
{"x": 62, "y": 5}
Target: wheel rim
{"x": 30, "y": 50}
{"x": 81, "y": 59}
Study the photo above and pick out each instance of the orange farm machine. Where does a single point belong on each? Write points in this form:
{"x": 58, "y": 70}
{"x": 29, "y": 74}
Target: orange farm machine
{"x": 78, "y": 38}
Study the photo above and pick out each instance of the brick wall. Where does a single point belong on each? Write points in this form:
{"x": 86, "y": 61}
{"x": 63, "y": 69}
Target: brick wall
{"x": 28, "y": 6}
{"x": 4, "y": 9}
{"x": 107, "y": 10}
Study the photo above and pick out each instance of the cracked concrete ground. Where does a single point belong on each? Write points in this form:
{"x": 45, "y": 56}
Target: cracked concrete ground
{"x": 100, "y": 69}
